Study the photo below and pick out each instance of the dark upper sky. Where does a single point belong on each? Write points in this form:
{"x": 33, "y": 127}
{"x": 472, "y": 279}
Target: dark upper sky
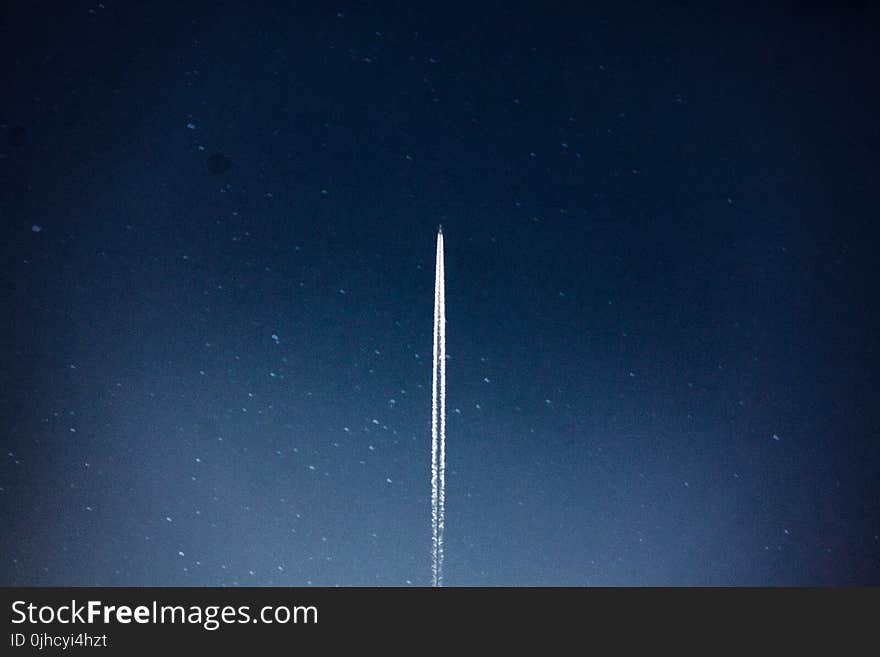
{"x": 218, "y": 230}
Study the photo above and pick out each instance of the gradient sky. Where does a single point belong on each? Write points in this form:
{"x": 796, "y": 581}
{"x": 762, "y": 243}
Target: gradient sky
{"x": 660, "y": 228}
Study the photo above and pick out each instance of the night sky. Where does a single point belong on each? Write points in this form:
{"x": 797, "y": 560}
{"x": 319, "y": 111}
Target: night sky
{"x": 661, "y": 289}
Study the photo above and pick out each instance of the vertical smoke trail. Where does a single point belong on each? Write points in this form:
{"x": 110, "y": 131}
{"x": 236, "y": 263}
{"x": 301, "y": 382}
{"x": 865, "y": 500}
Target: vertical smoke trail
{"x": 438, "y": 419}
{"x": 434, "y": 452}
{"x": 442, "y": 363}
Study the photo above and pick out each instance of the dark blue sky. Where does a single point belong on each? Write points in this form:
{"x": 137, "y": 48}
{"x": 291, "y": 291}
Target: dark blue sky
{"x": 661, "y": 293}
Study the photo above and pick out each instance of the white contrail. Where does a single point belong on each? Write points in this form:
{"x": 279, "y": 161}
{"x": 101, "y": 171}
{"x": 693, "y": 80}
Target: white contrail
{"x": 442, "y": 362}
{"x": 438, "y": 419}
